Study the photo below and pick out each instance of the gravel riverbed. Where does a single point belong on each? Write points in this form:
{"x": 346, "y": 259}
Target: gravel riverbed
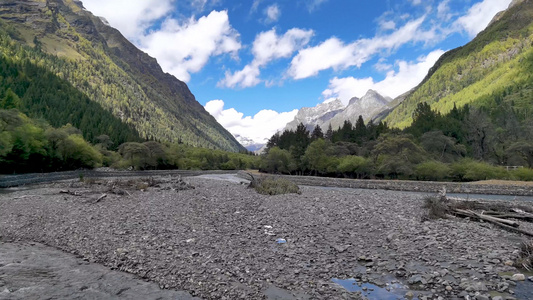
{"x": 222, "y": 240}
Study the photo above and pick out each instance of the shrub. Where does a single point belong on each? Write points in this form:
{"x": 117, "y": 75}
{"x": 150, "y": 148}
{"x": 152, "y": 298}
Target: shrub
{"x": 524, "y": 174}
{"x": 471, "y": 170}
{"x": 432, "y": 170}
{"x": 274, "y": 186}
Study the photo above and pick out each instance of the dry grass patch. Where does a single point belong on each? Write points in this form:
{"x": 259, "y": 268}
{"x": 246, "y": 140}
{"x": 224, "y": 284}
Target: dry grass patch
{"x": 437, "y": 208}
{"x": 525, "y": 260}
{"x": 274, "y": 186}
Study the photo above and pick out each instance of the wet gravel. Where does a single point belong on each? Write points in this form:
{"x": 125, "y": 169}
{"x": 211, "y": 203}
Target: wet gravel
{"x": 34, "y": 271}
{"x": 219, "y": 240}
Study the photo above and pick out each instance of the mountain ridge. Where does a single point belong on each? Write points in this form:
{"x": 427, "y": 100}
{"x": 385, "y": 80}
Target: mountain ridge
{"x": 335, "y": 113}
{"x": 101, "y": 63}
{"x": 492, "y": 62}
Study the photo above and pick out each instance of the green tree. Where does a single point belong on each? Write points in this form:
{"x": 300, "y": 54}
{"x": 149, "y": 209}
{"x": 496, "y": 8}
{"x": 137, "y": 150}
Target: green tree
{"x": 10, "y": 100}
{"x": 396, "y": 155}
{"x": 316, "y": 159}
{"x": 135, "y": 155}
{"x": 317, "y": 133}
{"x": 432, "y": 170}
{"x": 442, "y": 147}
{"x": 354, "y": 166}
{"x": 524, "y": 150}
{"x": 278, "y": 161}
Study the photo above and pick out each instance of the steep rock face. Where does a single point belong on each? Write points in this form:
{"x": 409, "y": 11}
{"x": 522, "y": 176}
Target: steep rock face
{"x": 497, "y": 62}
{"x": 104, "y": 65}
{"x": 318, "y": 115}
{"x": 371, "y": 104}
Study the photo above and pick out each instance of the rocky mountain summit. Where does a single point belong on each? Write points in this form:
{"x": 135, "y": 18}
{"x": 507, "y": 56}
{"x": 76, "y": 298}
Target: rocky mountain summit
{"x": 318, "y": 115}
{"x": 335, "y": 113}
{"x": 368, "y": 106}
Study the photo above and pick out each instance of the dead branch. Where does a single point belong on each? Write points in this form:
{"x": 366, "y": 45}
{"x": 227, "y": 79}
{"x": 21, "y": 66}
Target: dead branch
{"x": 524, "y": 217}
{"x": 100, "y": 198}
{"x": 73, "y": 193}
{"x": 486, "y": 218}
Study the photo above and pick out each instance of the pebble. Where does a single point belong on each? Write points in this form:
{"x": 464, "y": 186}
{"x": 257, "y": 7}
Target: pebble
{"x": 328, "y": 233}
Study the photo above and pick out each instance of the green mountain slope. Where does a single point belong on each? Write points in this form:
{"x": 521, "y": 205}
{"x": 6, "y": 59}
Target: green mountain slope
{"x": 61, "y": 37}
{"x": 42, "y": 95}
{"x": 495, "y": 66}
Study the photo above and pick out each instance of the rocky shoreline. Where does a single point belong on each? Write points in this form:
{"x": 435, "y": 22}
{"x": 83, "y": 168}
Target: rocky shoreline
{"x": 513, "y": 189}
{"x": 222, "y": 240}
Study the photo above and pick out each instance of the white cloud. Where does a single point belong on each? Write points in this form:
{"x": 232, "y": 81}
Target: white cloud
{"x": 259, "y": 127}
{"x": 181, "y": 47}
{"x": 272, "y": 13}
{"x": 409, "y": 74}
{"x": 416, "y": 2}
{"x": 184, "y": 48}
{"x": 247, "y": 77}
{"x": 480, "y": 15}
{"x": 333, "y": 53}
{"x": 387, "y": 25}
{"x": 443, "y": 10}
{"x": 267, "y": 46}
{"x": 312, "y": 5}
{"x": 130, "y": 17}
{"x": 255, "y": 6}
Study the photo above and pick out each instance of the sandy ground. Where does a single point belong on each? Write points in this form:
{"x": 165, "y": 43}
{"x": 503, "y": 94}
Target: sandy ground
{"x": 221, "y": 240}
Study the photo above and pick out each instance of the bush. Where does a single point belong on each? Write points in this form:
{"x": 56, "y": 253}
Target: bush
{"x": 432, "y": 170}
{"x": 471, "y": 170}
{"x": 274, "y": 186}
{"x": 524, "y": 174}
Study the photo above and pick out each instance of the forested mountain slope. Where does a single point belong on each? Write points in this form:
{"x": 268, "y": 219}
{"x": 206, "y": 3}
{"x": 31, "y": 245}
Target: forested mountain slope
{"x": 61, "y": 37}
{"x": 494, "y": 69}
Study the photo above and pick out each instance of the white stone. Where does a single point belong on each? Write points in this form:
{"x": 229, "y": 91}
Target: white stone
{"x": 518, "y": 277}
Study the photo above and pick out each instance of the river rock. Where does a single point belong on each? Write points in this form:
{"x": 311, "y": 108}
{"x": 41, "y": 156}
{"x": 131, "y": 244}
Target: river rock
{"x": 518, "y": 277}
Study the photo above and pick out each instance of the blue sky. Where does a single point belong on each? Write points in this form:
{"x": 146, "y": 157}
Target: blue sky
{"x": 254, "y": 63}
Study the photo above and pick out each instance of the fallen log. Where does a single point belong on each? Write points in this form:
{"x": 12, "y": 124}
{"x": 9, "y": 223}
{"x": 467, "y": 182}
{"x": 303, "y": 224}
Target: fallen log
{"x": 492, "y": 220}
{"x": 528, "y": 218}
{"x": 510, "y": 228}
{"x": 488, "y": 218}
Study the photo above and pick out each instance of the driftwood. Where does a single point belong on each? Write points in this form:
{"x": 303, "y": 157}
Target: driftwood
{"x": 100, "y": 198}
{"x": 491, "y": 219}
{"x": 69, "y": 192}
{"x": 525, "y": 217}
{"x": 505, "y": 224}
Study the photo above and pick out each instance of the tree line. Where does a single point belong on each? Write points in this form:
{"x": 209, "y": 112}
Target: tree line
{"x": 469, "y": 143}
{"x": 33, "y": 145}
